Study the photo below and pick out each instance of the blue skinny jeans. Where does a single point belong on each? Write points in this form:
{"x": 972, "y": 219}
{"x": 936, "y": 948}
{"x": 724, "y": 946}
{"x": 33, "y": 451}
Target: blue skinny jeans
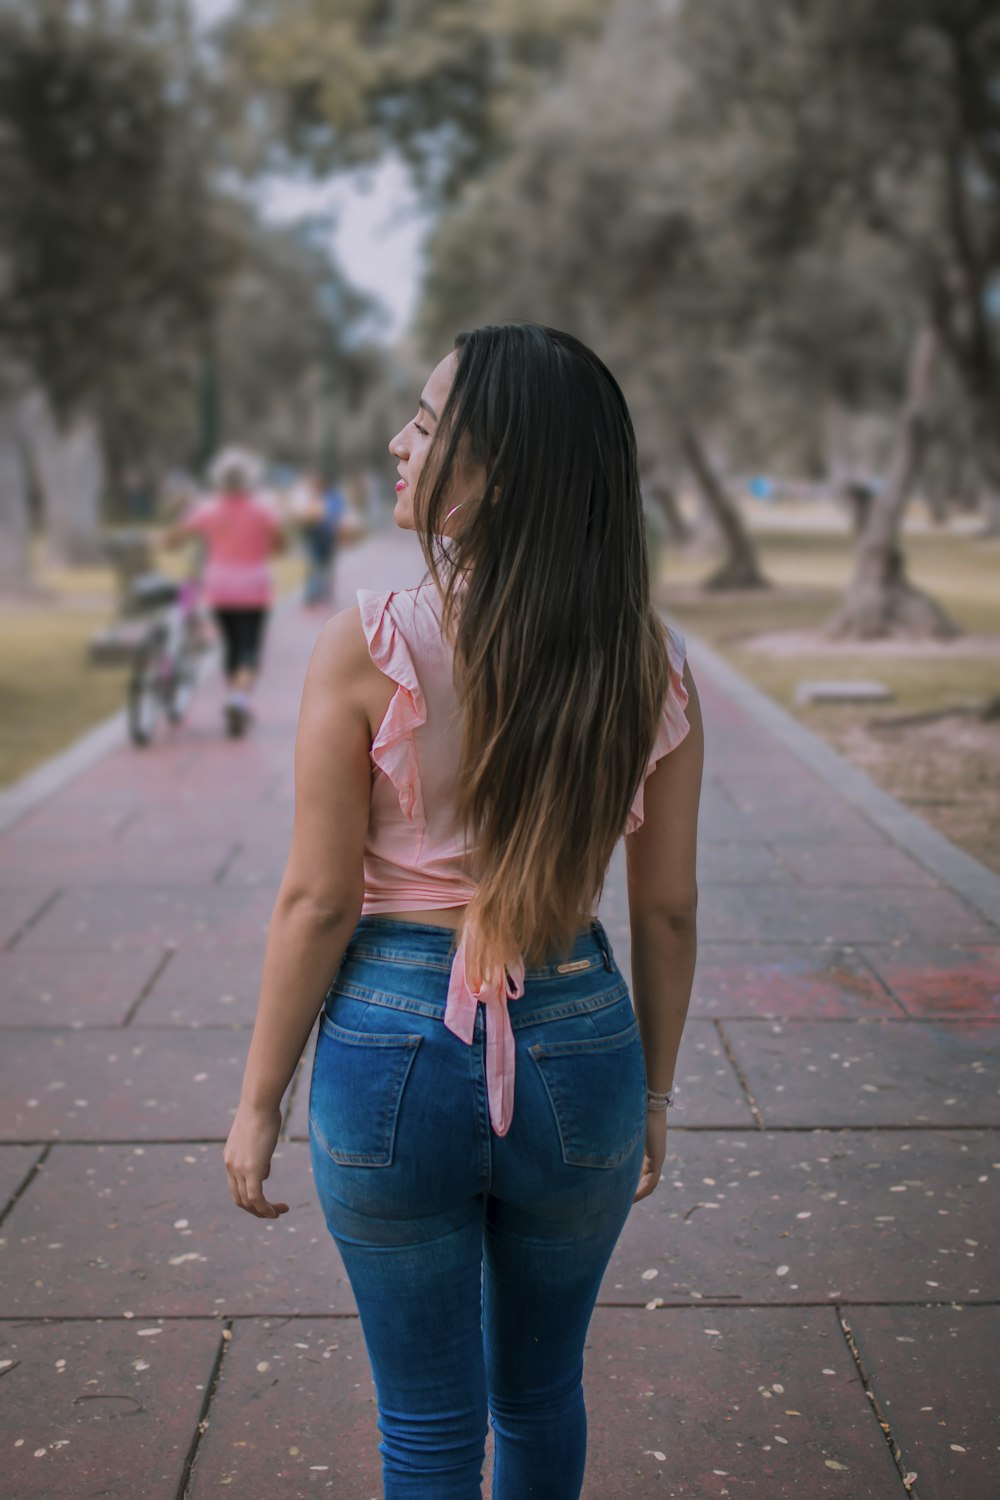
{"x": 476, "y": 1260}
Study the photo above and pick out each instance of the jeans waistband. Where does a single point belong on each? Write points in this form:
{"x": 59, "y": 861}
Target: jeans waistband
{"x": 429, "y": 945}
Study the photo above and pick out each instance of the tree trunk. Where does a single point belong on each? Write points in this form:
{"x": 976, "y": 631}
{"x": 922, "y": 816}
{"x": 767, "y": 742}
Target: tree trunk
{"x": 879, "y": 600}
{"x": 67, "y": 462}
{"x": 15, "y": 515}
{"x": 989, "y": 504}
{"x": 837, "y": 433}
{"x": 988, "y": 456}
{"x": 740, "y": 569}
{"x": 656, "y": 483}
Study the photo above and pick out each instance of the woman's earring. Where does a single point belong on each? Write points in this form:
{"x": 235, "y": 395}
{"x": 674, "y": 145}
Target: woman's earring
{"x": 453, "y": 510}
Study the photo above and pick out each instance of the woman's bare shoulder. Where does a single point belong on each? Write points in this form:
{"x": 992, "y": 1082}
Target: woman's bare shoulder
{"x": 341, "y": 647}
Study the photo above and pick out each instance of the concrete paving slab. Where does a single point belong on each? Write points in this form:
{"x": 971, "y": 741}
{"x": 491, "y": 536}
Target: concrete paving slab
{"x": 113, "y": 918}
{"x": 130, "y": 775}
{"x": 943, "y": 981}
{"x": 260, "y": 858}
{"x": 237, "y": 776}
{"x": 727, "y": 915}
{"x": 196, "y": 861}
{"x": 719, "y": 822}
{"x": 116, "y": 864}
{"x": 934, "y": 1374}
{"x": 870, "y": 1073}
{"x": 858, "y": 1216}
{"x": 698, "y": 1403}
{"x": 779, "y": 779}
{"x": 154, "y": 1084}
{"x": 72, "y": 819}
{"x": 294, "y": 1415}
{"x": 15, "y": 1164}
{"x": 720, "y": 862}
{"x": 55, "y": 988}
{"x": 855, "y": 915}
{"x": 868, "y": 864}
{"x": 709, "y": 1092}
{"x": 196, "y": 988}
{"x": 251, "y": 856}
{"x": 23, "y": 902}
{"x": 105, "y": 1409}
{"x": 198, "y": 815}
{"x": 247, "y": 870}
{"x": 778, "y": 980}
{"x": 759, "y": 808}
{"x": 152, "y": 1230}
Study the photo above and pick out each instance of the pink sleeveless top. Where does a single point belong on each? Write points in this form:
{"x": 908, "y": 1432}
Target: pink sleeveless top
{"x": 415, "y": 856}
{"x": 240, "y": 531}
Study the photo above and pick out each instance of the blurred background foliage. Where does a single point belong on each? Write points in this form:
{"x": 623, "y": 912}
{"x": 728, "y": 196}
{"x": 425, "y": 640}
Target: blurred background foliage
{"x": 778, "y": 221}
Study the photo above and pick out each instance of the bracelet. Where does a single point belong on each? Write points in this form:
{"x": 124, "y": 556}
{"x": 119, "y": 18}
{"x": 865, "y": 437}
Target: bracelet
{"x": 657, "y": 1103}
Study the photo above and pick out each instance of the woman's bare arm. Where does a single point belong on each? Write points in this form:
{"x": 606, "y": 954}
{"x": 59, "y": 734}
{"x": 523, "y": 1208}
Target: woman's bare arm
{"x": 663, "y": 902}
{"x": 319, "y": 900}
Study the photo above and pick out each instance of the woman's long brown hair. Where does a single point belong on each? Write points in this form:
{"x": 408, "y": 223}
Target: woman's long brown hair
{"x": 560, "y": 658}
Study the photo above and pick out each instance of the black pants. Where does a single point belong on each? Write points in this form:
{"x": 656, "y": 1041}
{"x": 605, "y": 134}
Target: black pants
{"x": 243, "y": 636}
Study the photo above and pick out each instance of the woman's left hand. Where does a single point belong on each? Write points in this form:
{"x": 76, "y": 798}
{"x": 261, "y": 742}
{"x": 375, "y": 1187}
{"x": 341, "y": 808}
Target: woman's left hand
{"x": 654, "y": 1154}
{"x": 247, "y": 1156}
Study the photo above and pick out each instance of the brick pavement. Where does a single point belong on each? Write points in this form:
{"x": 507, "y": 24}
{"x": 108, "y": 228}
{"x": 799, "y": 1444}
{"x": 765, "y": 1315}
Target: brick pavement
{"x": 809, "y": 1302}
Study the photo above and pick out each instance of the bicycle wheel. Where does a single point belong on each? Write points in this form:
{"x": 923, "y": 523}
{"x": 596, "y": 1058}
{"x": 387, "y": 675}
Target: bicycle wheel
{"x": 144, "y": 691}
{"x": 180, "y": 689}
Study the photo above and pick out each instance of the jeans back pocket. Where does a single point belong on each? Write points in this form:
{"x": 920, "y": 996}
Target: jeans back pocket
{"x": 356, "y": 1092}
{"x": 596, "y": 1086}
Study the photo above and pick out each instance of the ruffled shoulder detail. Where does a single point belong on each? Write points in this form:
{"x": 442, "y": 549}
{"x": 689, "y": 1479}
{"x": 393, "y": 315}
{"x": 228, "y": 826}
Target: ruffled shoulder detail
{"x": 673, "y": 725}
{"x": 394, "y": 749}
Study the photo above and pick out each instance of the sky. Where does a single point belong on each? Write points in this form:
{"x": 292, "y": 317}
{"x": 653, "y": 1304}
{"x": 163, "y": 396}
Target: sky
{"x": 379, "y": 227}
{"x": 378, "y": 233}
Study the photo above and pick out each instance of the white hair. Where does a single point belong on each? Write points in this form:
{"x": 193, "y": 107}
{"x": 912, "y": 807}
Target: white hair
{"x": 235, "y": 469}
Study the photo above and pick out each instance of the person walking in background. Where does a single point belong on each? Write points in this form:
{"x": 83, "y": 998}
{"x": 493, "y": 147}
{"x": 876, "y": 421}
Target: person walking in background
{"x": 485, "y": 1103}
{"x": 317, "y": 520}
{"x": 240, "y": 533}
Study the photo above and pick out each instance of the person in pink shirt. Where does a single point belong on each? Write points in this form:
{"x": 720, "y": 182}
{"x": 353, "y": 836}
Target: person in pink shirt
{"x": 240, "y": 533}
{"x": 489, "y": 1090}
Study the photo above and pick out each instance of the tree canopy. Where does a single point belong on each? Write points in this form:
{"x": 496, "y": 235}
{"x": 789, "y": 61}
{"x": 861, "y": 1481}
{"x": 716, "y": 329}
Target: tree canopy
{"x": 338, "y": 83}
{"x": 109, "y": 216}
{"x": 146, "y": 310}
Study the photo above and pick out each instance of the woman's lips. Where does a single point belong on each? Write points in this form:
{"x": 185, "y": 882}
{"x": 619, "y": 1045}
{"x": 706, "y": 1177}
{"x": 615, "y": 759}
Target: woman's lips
{"x": 400, "y": 486}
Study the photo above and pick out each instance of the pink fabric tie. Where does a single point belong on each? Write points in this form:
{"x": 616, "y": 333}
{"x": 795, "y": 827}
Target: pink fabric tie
{"x": 460, "y": 1018}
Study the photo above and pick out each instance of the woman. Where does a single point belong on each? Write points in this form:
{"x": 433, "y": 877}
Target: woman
{"x": 519, "y": 708}
{"x": 240, "y": 533}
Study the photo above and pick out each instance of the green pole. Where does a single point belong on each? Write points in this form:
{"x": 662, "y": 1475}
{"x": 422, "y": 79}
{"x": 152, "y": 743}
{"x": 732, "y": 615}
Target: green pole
{"x": 208, "y": 410}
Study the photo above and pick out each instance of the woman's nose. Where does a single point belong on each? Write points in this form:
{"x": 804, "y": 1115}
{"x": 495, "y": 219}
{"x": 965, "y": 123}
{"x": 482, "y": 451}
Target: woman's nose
{"x": 397, "y": 447}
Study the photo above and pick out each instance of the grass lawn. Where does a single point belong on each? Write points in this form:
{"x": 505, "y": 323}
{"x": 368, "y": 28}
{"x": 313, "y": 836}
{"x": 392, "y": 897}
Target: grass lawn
{"x": 808, "y": 573}
{"x": 946, "y": 769}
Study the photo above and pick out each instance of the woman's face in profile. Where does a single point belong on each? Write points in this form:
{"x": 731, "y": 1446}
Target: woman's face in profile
{"x": 412, "y": 443}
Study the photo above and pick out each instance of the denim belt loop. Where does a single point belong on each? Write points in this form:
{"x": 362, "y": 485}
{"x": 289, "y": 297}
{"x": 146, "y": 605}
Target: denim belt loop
{"x": 605, "y": 946}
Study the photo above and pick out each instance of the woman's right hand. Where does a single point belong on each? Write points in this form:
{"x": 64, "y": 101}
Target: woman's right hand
{"x": 654, "y": 1154}
{"x": 247, "y": 1158}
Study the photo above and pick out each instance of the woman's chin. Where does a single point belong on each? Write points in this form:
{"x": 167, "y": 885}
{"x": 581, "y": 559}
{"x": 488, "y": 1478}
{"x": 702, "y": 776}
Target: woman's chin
{"x": 403, "y": 514}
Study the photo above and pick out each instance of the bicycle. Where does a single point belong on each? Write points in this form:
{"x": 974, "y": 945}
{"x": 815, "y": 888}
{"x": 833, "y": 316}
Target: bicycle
{"x": 165, "y": 667}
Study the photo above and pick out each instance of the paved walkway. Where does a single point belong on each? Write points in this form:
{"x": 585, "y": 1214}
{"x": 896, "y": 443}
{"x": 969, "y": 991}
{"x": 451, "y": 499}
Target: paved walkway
{"x": 807, "y": 1305}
